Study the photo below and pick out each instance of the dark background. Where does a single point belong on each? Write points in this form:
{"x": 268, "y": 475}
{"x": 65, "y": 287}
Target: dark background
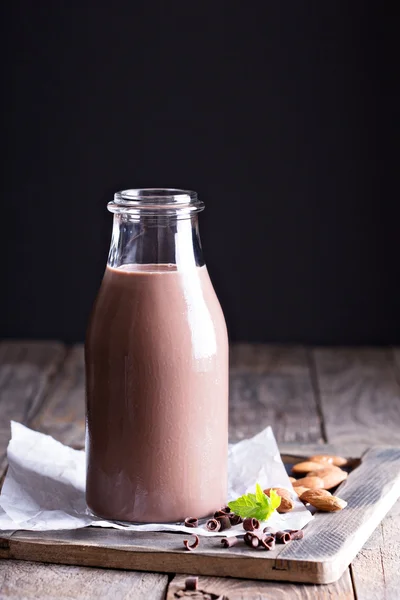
{"x": 282, "y": 115}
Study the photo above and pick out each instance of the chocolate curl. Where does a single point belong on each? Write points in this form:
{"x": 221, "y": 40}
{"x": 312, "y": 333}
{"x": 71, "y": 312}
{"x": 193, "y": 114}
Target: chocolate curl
{"x": 213, "y": 525}
{"x": 235, "y": 519}
{"x": 225, "y": 522}
{"x": 268, "y": 542}
{"x": 191, "y": 584}
{"x": 251, "y": 539}
{"x": 282, "y": 537}
{"x": 250, "y": 524}
{"x": 228, "y": 542}
{"x": 295, "y": 534}
{"x": 191, "y": 522}
{"x": 225, "y": 510}
{"x": 194, "y": 545}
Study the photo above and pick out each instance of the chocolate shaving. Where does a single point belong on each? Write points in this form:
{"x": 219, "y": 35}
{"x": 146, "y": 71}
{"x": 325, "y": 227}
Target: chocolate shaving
{"x": 213, "y": 525}
{"x": 191, "y": 584}
{"x": 282, "y": 537}
{"x": 235, "y": 519}
{"x": 225, "y": 522}
{"x": 268, "y": 542}
{"x": 194, "y": 545}
{"x": 228, "y": 542}
{"x": 295, "y": 534}
{"x": 251, "y": 539}
{"x": 191, "y": 522}
{"x": 250, "y": 524}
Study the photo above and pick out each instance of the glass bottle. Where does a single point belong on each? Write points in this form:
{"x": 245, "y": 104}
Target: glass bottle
{"x": 156, "y": 368}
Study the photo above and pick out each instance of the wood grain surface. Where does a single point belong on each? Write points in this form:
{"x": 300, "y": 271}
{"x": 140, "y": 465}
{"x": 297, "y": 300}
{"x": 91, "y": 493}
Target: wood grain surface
{"x": 272, "y": 386}
{"x": 63, "y": 412}
{"x": 359, "y": 395}
{"x": 375, "y": 569}
{"x": 26, "y": 371}
{"x": 241, "y": 589}
{"x": 26, "y": 580}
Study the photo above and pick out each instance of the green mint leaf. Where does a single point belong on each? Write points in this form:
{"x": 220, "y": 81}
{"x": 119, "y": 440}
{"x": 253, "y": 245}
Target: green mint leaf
{"x": 257, "y": 505}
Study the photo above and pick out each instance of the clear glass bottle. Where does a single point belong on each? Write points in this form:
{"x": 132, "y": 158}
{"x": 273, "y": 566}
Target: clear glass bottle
{"x": 156, "y": 368}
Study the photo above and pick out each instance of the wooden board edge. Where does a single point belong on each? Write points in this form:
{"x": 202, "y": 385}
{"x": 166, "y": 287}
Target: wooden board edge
{"x": 165, "y": 562}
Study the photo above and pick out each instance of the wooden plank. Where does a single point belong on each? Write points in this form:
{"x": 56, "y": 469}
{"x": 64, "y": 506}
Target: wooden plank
{"x": 360, "y": 397}
{"x": 375, "y": 570}
{"x": 240, "y": 589}
{"x": 63, "y": 412}
{"x": 26, "y": 371}
{"x": 271, "y": 385}
{"x": 23, "y": 580}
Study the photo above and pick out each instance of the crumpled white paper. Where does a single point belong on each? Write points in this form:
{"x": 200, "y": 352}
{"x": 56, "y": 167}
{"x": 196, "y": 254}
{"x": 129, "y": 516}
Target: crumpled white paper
{"x": 44, "y": 488}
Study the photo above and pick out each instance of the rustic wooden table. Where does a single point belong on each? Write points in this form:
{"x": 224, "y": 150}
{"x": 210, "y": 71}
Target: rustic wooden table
{"x": 348, "y": 399}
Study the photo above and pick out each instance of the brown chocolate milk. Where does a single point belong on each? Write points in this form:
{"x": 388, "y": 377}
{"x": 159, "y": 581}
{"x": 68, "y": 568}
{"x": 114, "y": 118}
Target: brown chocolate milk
{"x": 157, "y": 395}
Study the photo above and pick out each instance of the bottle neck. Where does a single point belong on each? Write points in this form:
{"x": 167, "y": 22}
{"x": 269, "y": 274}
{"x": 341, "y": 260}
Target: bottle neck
{"x": 155, "y": 240}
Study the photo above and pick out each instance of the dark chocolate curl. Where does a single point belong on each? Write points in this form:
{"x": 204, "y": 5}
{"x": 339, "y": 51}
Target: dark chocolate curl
{"x": 282, "y": 537}
{"x": 191, "y": 584}
{"x": 268, "y": 542}
{"x": 251, "y": 539}
{"x": 228, "y": 542}
{"x": 194, "y": 545}
{"x": 225, "y": 522}
{"x": 295, "y": 534}
{"x": 250, "y": 524}
{"x": 213, "y": 525}
{"x": 191, "y": 522}
{"x": 235, "y": 519}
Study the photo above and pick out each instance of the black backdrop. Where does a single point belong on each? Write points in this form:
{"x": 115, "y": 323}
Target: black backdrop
{"x": 282, "y": 115}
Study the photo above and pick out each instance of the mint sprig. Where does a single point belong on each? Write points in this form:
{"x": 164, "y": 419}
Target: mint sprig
{"x": 258, "y": 505}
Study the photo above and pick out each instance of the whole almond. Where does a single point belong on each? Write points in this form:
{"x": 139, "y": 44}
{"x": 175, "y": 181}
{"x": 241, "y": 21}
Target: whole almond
{"x": 328, "y": 503}
{"x": 292, "y": 479}
{"x": 322, "y": 458}
{"x": 309, "y": 495}
{"x": 331, "y": 476}
{"x": 338, "y": 461}
{"x": 313, "y": 482}
{"x": 306, "y": 467}
{"x": 300, "y": 490}
{"x": 287, "y": 504}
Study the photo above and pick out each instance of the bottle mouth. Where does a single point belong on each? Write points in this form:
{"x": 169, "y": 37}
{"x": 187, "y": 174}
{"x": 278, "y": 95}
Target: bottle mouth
{"x": 156, "y": 201}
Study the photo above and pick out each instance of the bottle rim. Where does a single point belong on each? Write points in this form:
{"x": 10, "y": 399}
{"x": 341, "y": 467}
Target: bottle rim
{"x": 155, "y": 201}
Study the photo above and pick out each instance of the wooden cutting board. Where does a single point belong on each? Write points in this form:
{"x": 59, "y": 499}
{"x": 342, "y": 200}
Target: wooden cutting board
{"x": 331, "y": 540}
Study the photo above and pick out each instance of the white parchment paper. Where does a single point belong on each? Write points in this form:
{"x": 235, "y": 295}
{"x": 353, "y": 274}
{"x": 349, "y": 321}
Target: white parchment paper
{"x": 44, "y": 488}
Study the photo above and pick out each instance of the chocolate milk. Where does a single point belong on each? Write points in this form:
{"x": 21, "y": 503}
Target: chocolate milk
{"x": 157, "y": 395}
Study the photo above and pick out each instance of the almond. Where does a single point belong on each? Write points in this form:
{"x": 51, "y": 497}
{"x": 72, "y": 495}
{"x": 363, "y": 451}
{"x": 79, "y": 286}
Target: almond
{"x": 300, "y": 490}
{"x": 292, "y": 479}
{"x": 309, "y": 495}
{"x": 331, "y": 476}
{"x": 306, "y": 467}
{"x": 328, "y": 503}
{"x": 333, "y": 459}
{"x": 313, "y": 482}
{"x": 287, "y": 504}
